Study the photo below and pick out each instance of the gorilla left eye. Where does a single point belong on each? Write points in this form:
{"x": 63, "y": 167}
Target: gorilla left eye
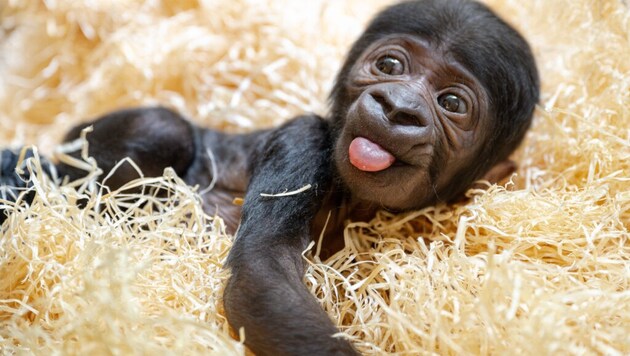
{"x": 453, "y": 103}
{"x": 389, "y": 65}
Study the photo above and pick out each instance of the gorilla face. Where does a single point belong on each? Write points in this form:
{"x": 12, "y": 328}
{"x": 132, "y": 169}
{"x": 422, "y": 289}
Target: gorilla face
{"x": 415, "y": 118}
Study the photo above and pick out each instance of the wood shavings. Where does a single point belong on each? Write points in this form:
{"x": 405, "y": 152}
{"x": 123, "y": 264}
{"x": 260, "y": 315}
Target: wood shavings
{"x": 287, "y": 193}
{"x": 537, "y": 267}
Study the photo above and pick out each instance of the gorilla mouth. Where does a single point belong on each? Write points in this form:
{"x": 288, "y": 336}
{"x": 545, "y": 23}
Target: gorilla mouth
{"x": 369, "y": 156}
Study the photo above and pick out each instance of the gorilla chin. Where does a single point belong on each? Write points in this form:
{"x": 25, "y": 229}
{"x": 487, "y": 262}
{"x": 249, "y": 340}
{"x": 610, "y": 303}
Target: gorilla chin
{"x": 399, "y": 186}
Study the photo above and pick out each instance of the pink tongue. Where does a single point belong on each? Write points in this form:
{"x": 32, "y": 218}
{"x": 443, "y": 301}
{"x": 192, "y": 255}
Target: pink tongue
{"x": 368, "y": 156}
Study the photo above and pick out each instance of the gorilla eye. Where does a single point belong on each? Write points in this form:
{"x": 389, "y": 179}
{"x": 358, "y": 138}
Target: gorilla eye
{"x": 452, "y": 103}
{"x": 389, "y": 65}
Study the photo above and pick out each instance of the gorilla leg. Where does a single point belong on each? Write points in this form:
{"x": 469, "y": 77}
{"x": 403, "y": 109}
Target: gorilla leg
{"x": 12, "y": 183}
{"x": 154, "y": 138}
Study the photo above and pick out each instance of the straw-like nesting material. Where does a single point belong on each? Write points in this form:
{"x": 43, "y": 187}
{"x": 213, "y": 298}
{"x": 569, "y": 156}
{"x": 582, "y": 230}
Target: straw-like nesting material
{"x": 539, "y": 267}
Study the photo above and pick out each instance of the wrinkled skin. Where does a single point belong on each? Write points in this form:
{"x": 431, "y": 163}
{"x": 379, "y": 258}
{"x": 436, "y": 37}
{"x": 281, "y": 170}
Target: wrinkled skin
{"x": 401, "y": 113}
{"x": 433, "y": 96}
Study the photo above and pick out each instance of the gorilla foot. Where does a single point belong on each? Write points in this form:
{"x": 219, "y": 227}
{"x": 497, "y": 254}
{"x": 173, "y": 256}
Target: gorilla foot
{"x": 13, "y": 184}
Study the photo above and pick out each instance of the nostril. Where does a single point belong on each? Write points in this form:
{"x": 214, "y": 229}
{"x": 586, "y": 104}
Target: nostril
{"x": 387, "y": 108}
{"x": 405, "y": 118}
{"x": 399, "y": 111}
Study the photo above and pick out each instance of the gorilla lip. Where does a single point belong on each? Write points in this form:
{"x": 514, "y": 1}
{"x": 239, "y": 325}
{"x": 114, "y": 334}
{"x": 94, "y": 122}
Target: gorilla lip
{"x": 368, "y": 156}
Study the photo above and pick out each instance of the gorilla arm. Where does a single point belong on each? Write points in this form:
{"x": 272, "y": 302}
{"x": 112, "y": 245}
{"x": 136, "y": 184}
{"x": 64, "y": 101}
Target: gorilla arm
{"x": 265, "y": 294}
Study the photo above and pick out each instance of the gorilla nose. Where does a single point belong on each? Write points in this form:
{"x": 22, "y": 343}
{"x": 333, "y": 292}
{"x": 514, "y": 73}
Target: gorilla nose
{"x": 406, "y": 117}
{"x": 401, "y": 107}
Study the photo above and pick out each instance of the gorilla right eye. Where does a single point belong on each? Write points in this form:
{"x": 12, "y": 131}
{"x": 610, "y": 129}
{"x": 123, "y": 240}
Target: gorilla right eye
{"x": 389, "y": 65}
{"x": 453, "y": 103}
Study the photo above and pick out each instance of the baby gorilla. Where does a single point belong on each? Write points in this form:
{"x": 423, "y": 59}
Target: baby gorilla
{"x": 433, "y": 96}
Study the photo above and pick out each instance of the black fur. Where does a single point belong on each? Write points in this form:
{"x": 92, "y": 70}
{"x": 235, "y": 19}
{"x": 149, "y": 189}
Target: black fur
{"x": 267, "y": 255}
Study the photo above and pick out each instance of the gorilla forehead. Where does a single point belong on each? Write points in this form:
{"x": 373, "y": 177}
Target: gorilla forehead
{"x": 466, "y": 30}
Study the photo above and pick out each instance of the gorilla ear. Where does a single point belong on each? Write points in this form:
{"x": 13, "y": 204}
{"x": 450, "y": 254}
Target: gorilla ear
{"x": 500, "y": 171}
{"x": 497, "y": 174}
